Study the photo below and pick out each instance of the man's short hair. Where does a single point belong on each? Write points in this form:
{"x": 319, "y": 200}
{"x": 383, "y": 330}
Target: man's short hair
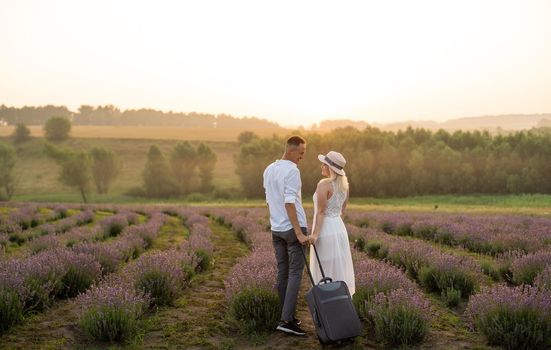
{"x": 295, "y": 141}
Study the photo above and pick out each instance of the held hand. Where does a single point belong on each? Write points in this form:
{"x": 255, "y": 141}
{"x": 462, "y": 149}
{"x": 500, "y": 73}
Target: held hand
{"x": 313, "y": 239}
{"x": 303, "y": 239}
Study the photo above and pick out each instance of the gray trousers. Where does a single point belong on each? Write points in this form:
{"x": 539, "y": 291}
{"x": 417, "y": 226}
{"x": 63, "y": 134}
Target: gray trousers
{"x": 290, "y": 264}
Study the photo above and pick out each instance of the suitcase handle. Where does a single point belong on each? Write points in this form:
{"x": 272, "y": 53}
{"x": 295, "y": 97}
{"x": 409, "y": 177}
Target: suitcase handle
{"x": 324, "y": 279}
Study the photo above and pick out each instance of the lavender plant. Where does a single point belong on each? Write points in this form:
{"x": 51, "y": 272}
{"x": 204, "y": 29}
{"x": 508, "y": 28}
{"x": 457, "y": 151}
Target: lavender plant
{"x": 525, "y": 268}
{"x": 160, "y": 275}
{"x": 110, "y": 311}
{"x": 400, "y": 317}
{"x": 513, "y": 317}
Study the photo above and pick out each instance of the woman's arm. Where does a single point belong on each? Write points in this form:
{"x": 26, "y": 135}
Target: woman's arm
{"x": 321, "y": 205}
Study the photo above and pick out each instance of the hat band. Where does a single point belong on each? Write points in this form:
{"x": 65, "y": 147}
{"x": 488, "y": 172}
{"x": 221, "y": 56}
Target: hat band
{"x": 332, "y": 163}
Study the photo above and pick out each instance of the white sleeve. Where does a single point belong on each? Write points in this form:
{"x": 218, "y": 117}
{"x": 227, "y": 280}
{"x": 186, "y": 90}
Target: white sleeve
{"x": 264, "y": 183}
{"x": 292, "y": 186}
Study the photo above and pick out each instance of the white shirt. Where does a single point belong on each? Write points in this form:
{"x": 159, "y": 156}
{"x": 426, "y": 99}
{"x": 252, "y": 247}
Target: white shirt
{"x": 282, "y": 185}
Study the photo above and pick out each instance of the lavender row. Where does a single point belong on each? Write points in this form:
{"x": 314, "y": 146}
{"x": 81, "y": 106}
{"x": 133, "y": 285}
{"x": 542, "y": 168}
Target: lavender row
{"x": 33, "y": 282}
{"x": 488, "y": 234}
{"x": 21, "y": 236}
{"x": 517, "y": 267}
{"x": 111, "y": 310}
{"x": 29, "y": 215}
{"x": 452, "y": 276}
{"x": 199, "y": 242}
{"x": 107, "y": 227}
{"x": 385, "y": 296}
{"x": 389, "y": 300}
{"x": 250, "y": 286}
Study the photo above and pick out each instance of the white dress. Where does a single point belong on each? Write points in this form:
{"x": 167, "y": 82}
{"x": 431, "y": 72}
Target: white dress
{"x": 333, "y": 245}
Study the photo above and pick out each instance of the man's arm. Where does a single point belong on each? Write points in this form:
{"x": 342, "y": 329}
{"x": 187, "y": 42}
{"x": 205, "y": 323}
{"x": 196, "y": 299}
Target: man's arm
{"x": 291, "y": 193}
{"x": 292, "y": 213}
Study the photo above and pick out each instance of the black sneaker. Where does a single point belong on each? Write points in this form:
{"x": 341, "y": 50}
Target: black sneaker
{"x": 290, "y": 328}
{"x": 297, "y": 321}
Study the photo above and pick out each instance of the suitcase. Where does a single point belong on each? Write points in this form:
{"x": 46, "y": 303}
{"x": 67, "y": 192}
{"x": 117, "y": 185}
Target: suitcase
{"x": 331, "y": 307}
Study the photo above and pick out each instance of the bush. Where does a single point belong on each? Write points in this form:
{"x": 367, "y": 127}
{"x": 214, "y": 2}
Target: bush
{"x": 387, "y": 227}
{"x": 258, "y": 309}
{"x": 82, "y": 271}
{"x": 109, "y": 323}
{"x": 17, "y": 238}
{"x": 359, "y": 244}
{"x": 159, "y": 286}
{"x": 427, "y": 279}
{"x": 489, "y": 269}
{"x": 446, "y": 238}
{"x": 203, "y": 260}
{"x": 373, "y": 247}
{"x": 514, "y": 318}
{"x": 113, "y": 225}
{"x": 361, "y": 301}
{"x": 525, "y": 268}
{"x": 196, "y": 197}
{"x": 110, "y": 312}
{"x": 521, "y": 329}
{"x": 427, "y": 232}
{"x": 441, "y": 280}
{"x": 543, "y": 279}
{"x": 75, "y": 281}
{"x": 57, "y": 129}
{"x": 160, "y": 275}
{"x": 404, "y": 229}
{"x": 21, "y": 133}
{"x": 452, "y": 297}
{"x": 400, "y": 317}
{"x": 11, "y": 308}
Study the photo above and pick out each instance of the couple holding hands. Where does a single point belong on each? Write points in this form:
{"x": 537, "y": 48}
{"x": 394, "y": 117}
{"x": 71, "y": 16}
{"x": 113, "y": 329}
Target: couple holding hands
{"x": 282, "y": 184}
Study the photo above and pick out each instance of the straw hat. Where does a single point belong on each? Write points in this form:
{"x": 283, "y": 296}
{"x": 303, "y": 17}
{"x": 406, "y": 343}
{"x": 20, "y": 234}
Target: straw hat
{"x": 335, "y": 161}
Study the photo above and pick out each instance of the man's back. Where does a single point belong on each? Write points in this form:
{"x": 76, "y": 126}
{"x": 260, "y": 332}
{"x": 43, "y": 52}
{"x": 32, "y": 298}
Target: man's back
{"x": 283, "y": 185}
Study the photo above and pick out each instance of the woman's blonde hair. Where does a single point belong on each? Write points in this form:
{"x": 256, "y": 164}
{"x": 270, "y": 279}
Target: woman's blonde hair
{"x": 341, "y": 181}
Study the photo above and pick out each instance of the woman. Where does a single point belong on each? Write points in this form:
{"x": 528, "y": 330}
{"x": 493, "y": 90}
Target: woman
{"x": 328, "y": 232}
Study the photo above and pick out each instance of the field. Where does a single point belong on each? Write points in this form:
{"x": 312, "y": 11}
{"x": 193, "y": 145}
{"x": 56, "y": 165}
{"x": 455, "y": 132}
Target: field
{"x": 448, "y": 271}
{"x": 432, "y": 272}
{"x": 37, "y": 174}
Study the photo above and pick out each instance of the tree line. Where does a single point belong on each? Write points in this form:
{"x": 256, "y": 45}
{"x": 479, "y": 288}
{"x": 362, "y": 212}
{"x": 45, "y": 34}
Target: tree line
{"x": 111, "y": 115}
{"x": 380, "y": 163}
{"x": 413, "y": 161}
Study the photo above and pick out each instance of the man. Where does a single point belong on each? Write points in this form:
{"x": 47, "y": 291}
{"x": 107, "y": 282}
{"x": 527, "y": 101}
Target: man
{"x": 288, "y": 223}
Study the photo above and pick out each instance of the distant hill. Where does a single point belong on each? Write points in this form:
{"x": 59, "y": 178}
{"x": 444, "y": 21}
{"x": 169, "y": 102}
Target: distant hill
{"x": 508, "y": 122}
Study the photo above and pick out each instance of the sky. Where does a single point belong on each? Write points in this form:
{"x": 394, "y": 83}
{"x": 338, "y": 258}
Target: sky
{"x": 293, "y": 62}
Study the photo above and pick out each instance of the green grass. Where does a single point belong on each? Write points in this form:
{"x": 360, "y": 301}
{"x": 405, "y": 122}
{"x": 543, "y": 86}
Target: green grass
{"x": 530, "y": 200}
{"x": 538, "y": 204}
{"x": 506, "y": 204}
{"x": 37, "y": 175}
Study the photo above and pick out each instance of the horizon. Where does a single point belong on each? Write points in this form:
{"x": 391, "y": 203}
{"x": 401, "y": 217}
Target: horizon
{"x": 358, "y": 61}
{"x": 291, "y": 126}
